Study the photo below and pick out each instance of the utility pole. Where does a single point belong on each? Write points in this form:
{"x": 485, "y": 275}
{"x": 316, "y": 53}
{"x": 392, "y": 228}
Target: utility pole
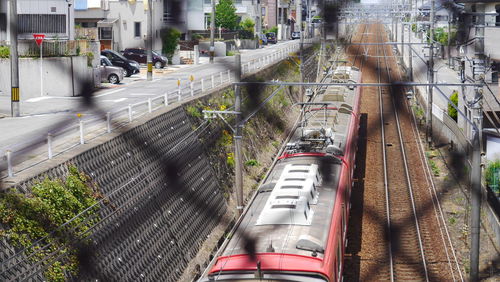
{"x": 430, "y": 79}
{"x": 14, "y": 61}
{"x": 301, "y": 44}
{"x": 212, "y": 33}
{"x": 282, "y": 21}
{"x": 258, "y": 23}
{"x": 476, "y": 150}
{"x": 238, "y": 136}
{"x": 150, "y": 41}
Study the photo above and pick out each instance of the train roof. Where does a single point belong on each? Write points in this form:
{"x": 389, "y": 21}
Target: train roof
{"x": 292, "y": 211}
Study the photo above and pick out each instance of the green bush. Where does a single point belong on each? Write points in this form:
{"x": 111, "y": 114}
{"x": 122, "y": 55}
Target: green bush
{"x": 252, "y": 163}
{"x": 247, "y": 24}
{"x": 4, "y": 52}
{"x": 170, "y": 39}
{"x": 452, "y": 112}
{"x": 196, "y": 36}
{"x": 273, "y": 29}
{"x": 90, "y": 58}
{"x": 492, "y": 174}
{"x": 33, "y": 216}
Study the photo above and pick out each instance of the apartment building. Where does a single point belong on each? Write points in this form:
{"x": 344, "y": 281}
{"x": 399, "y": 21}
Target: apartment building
{"x": 123, "y": 23}
{"x": 54, "y": 18}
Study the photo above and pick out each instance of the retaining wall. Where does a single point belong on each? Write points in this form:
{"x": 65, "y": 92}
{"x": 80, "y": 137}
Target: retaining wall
{"x": 58, "y": 78}
{"x": 164, "y": 200}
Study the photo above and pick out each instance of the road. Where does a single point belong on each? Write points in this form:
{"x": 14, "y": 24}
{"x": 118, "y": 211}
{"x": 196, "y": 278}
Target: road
{"x": 38, "y": 114}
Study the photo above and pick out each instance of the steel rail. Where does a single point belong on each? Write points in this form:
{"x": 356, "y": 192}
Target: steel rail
{"x": 408, "y": 179}
{"x": 360, "y": 84}
{"x": 386, "y": 177}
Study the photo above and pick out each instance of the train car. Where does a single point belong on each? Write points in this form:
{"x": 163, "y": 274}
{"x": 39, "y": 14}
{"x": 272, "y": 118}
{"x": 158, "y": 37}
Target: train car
{"x": 299, "y": 215}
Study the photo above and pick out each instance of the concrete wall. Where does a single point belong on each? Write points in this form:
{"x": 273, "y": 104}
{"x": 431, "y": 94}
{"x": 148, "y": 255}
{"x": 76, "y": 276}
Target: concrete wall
{"x": 57, "y": 76}
{"x": 154, "y": 220}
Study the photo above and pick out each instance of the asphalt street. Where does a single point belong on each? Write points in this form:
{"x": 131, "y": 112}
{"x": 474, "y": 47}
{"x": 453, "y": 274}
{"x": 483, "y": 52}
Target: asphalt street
{"x": 38, "y": 114}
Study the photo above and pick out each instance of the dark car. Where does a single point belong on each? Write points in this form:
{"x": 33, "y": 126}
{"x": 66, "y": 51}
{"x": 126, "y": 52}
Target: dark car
{"x": 117, "y": 59}
{"x": 140, "y": 55}
{"x": 296, "y": 35}
{"x": 271, "y": 37}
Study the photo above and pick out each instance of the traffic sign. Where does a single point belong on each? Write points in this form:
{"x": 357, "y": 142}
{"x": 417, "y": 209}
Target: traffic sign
{"x": 38, "y": 38}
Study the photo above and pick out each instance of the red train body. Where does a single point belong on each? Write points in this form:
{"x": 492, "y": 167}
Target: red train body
{"x": 299, "y": 215}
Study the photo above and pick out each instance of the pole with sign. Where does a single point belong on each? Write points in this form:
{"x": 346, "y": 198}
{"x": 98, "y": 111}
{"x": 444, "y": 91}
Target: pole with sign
{"x": 39, "y": 41}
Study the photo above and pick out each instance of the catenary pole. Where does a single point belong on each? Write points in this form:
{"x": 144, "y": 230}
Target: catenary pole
{"x": 430, "y": 79}
{"x": 14, "y": 61}
{"x": 301, "y": 46}
{"x": 238, "y": 136}
{"x": 478, "y": 74}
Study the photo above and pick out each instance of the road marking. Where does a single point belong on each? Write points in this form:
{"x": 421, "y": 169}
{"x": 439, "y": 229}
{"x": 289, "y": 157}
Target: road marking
{"x": 38, "y": 99}
{"x": 110, "y": 92}
{"x": 143, "y": 94}
{"x": 116, "y": 100}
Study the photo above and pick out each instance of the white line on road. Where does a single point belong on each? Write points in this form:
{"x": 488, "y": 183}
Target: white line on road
{"x": 110, "y": 92}
{"x": 116, "y": 100}
{"x": 38, "y": 99}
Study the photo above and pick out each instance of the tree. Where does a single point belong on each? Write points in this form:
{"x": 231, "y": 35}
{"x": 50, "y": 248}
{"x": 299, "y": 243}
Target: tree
{"x": 170, "y": 39}
{"x": 225, "y": 15}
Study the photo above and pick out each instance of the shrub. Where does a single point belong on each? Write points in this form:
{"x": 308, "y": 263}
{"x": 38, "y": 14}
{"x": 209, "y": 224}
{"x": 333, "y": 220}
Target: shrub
{"x": 196, "y": 36}
{"x": 452, "y": 112}
{"x": 225, "y": 15}
{"x": 170, "y": 39}
{"x": 252, "y": 162}
{"x": 4, "y": 52}
{"x": 90, "y": 58}
{"x": 273, "y": 29}
{"x": 492, "y": 174}
{"x": 33, "y": 216}
{"x": 247, "y": 24}
{"x": 245, "y": 34}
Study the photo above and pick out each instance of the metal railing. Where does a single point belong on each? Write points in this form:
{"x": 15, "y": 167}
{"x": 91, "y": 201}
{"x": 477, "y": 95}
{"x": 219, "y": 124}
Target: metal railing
{"x": 89, "y": 127}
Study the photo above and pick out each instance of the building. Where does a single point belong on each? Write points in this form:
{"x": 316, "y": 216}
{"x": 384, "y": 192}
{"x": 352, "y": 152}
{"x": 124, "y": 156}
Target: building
{"x": 54, "y": 18}
{"x": 123, "y": 24}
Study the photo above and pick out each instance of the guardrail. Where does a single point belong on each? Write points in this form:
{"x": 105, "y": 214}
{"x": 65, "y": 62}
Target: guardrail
{"x": 87, "y": 128}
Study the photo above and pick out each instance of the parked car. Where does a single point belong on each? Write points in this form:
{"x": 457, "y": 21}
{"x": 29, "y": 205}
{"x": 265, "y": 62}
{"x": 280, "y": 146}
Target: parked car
{"x": 271, "y": 37}
{"x": 110, "y": 73}
{"x": 130, "y": 67}
{"x": 296, "y": 35}
{"x": 263, "y": 39}
{"x": 140, "y": 55}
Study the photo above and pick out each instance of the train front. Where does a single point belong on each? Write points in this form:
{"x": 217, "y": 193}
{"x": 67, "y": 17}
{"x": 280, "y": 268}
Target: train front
{"x": 294, "y": 229}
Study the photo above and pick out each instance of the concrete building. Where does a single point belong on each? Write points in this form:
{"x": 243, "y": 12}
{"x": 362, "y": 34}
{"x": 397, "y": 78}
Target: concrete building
{"x": 269, "y": 13}
{"x": 54, "y": 18}
{"x": 123, "y": 24}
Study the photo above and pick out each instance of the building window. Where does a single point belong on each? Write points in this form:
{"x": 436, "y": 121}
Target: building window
{"x": 36, "y": 23}
{"x": 137, "y": 29}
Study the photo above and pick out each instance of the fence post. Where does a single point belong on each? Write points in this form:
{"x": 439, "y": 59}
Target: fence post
{"x": 9, "y": 163}
{"x": 220, "y": 75}
{"x": 82, "y": 140}
{"x": 179, "y": 91}
{"x": 213, "y": 81}
{"x": 150, "y": 105}
{"x": 192, "y": 88}
{"x": 49, "y": 145}
{"x": 202, "y": 85}
{"x": 165, "y": 99}
{"x": 129, "y": 113}
{"x": 108, "y": 122}
{"x": 179, "y": 95}
{"x": 229, "y": 76}
{"x": 248, "y": 66}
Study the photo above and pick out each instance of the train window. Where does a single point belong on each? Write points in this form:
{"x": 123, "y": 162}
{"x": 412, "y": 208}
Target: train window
{"x": 287, "y": 197}
{"x": 299, "y": 170}
{"x": 305, "y": 214}
{"x": 291, "y": 187}
{"x": 308, "y": 206}
{"x": 344, "y": 226}
{"x": 314, "y": 187}
{"x": 283, "y": 206}
{"x": 301, "y": 164}
{"x": 295, "y": 179}
{"x": 312, "y": 195}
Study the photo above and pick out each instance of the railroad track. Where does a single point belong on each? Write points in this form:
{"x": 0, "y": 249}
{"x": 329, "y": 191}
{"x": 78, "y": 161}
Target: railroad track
{"x": 403, "y": 228}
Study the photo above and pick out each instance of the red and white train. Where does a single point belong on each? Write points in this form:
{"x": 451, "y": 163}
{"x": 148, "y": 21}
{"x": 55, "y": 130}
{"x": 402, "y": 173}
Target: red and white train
{"x": 299, "y": 216}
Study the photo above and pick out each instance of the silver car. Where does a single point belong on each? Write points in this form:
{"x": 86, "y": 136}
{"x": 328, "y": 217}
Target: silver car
{"x": 110, "y": 73}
